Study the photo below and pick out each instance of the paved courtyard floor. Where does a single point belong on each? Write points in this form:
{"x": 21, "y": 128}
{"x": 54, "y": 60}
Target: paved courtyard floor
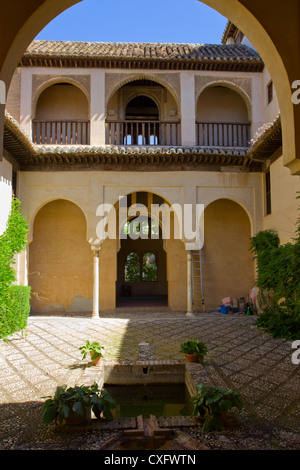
{"x": 239, "y": 356}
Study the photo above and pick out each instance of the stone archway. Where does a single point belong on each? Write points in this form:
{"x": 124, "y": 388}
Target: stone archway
{"x": 21, "y": 22}
{"x": 134, "y": 286}
{"x": 168, "y": 248}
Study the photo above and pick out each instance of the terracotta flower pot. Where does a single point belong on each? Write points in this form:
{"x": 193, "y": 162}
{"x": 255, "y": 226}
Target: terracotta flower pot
{"x": 192, "y": 358}
{"x": 74, "y": 420}
{"x": 95, "y": 361}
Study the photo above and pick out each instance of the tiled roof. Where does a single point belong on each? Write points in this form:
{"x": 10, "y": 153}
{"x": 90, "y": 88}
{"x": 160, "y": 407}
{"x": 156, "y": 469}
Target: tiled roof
{"x": 140, "y": 50}
{"x": 142, "y": 55}
{"x": 31, "y": 157}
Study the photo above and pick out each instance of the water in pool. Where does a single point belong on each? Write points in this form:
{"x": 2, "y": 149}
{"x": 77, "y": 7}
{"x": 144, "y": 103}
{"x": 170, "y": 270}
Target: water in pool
{"x": 154, "y": 399}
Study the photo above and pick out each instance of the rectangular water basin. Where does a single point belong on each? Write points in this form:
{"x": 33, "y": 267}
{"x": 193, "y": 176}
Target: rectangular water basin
{"x": 150, "y": 399}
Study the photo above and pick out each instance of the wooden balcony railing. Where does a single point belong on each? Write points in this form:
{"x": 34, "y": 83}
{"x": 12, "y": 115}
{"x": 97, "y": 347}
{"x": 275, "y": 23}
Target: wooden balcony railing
{"x": 61, "y": 132}
{"x": 143, "y": 133}
{"x": 216, "y": 134}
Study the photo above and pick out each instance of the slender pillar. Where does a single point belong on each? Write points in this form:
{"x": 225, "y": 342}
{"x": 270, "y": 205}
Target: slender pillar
{"x": 189, "y": 284}
{"x": 97, "y": 107}
{"x": 188, "y": 110}
{"x": 96, "y": 251}
{"x": 26, "y": 101}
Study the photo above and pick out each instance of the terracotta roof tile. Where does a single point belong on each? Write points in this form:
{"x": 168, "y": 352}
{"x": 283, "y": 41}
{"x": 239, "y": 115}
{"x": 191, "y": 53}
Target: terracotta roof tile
{"x": 159, "y": 51}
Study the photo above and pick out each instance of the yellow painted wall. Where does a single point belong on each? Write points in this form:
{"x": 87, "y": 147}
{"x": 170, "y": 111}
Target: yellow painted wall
{"x": 228, "y": 269}
{"x": 60, "y": 260}
{"x": 285, "y": 206}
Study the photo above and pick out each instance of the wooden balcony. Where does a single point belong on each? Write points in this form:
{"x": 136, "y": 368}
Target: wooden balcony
{"x": 61, "y": 132}
{"x": 150, "y": 133}
{"x": 217, "y": 134}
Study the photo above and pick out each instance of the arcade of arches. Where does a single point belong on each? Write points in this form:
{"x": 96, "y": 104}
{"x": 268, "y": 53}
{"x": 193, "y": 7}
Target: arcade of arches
{"x": 148, "y": 110}
{"x": 145, "y": 271}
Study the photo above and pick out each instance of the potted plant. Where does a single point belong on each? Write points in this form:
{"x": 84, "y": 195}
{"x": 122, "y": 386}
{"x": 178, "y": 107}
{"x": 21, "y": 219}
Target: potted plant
{"x": 213, "y": 403}
{"x": 194, "y": 350}
{"x": 73, "y": 405}
{"x": 95, "y": 350}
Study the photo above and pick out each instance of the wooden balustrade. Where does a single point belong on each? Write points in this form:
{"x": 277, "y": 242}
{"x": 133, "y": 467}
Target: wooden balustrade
{"x": 217, "y": 134}
{"x": 61, "y": 132}
{"x": 143, "y": 133}
{"x": 154, "y": 133}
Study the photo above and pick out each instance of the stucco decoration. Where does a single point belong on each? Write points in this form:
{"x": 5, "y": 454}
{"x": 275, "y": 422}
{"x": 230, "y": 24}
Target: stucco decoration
{"x": 114, "y": 81}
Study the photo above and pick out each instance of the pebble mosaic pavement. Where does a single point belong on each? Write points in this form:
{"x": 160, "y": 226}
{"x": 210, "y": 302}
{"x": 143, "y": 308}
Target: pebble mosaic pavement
{"x": 239, "y": 356}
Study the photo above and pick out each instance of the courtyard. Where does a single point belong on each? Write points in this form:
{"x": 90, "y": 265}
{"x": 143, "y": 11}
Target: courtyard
{"x": 239, "y": 357}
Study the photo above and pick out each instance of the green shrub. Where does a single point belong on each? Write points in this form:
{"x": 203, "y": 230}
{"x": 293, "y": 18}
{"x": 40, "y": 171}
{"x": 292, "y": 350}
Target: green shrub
{"x": 278, "y": 278}
{"x": 13, "y": 317}
{"x": 14, "y": 300}
{"x": 211, "y": 402}
{"x": 77, "y": 400}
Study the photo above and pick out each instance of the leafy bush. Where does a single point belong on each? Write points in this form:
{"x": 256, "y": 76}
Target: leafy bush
{"x": 193, "y": 346}
{"x": 77, "y": 401}
{"x": 95, "y": 349}
{"x": 211, "y": 402}
{"x": 278, "y": 278}
{"x": 13, "y": 300}
{"x": 14, "y": 315}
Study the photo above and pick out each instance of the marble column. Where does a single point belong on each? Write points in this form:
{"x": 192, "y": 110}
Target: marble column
{"x": 96, "y": 251}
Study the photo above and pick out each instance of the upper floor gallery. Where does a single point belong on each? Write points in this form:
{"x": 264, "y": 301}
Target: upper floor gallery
{"x": 131, "y": 94}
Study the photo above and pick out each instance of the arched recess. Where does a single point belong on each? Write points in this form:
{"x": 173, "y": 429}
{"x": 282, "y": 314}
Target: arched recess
{"x": 40, "y": 206}
{"x": 141, "y": 77}
{"x": 223, "y": 117}
{"x": 228, "y": 267}
{"x": 255, "y": 19}
{"x": 230, "y": 86}
{"x": 59, "y": 80}
{"x": 154, "y": 118}
{"x": 61, "y": 115}
{"x": 60, "y": 260}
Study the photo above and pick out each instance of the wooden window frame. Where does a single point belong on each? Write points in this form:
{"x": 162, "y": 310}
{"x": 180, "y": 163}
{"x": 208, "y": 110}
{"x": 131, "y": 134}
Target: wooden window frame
{"x": 270, "y": 92}
{"x": 268, "y": 192}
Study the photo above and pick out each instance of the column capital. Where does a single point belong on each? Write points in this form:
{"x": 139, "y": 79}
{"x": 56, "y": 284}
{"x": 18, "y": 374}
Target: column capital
{"x": 95, "y": 249}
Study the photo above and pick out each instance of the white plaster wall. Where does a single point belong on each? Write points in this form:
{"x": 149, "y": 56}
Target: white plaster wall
{"x": 5, "y": 193}
{"x": 188, "y": 107}
{"x": 187, "y": 98}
